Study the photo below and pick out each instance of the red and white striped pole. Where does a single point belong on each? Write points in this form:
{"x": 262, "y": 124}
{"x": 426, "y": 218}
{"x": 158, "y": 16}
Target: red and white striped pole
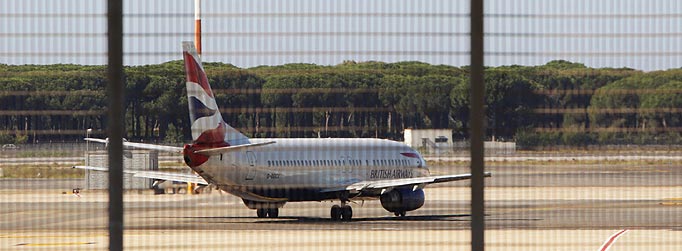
{"x": 197, "y": 44}
{"x": 197, "y": 25}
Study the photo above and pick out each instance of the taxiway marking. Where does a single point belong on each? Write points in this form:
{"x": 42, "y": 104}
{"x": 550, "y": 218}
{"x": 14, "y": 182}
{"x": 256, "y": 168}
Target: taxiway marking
{"x": 607, "y": 245}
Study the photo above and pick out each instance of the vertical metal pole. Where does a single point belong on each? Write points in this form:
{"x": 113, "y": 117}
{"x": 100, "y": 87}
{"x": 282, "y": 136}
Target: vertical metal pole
{"x": 197, "y": 44}
{"x": 87, "y": 147}
{"x": 115, "y": 125}
{"x": 477, "y": 129}
{"x": 197, "y": 26}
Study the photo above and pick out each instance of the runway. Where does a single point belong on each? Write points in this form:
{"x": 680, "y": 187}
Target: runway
{"x": 527, "y": 208}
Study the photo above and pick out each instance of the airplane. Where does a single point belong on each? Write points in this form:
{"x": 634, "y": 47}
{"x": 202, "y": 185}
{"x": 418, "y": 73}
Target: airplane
{"x": 268, "y": 173}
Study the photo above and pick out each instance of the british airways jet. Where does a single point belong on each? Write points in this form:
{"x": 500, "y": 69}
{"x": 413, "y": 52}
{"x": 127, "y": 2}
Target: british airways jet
{"x": 268, "y": 173}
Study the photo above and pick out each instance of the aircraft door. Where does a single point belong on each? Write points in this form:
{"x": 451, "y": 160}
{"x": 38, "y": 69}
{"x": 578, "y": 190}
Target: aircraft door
{"x": 346, "y": 164}
{"x": 251, "y": 167}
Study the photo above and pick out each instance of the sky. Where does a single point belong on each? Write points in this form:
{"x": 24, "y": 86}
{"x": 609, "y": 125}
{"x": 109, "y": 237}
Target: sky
{"x": 639, "y": 34}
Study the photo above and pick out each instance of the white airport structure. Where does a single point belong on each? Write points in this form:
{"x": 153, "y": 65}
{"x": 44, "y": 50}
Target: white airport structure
{"x": 428, "y": 137}
{"x": 132, "y": 160}
{"x": 439, "y": 142}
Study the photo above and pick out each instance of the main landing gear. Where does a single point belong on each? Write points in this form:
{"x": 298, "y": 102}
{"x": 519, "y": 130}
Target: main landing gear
{"x": 343, "y": 212}
{"x": 267, "y": 212}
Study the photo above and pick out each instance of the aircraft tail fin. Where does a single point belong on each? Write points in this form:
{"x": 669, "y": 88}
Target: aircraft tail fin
{"x": 208, "y": 126}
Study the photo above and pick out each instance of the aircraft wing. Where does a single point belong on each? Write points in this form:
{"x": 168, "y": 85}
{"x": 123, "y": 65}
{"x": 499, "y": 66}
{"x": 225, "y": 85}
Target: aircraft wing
{"x": 173, "y": 149}
{"x": 415, "y": 183}
{"x": 157, "y": 175}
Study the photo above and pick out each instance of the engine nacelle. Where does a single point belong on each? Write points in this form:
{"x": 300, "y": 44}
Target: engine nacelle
{"x": 402, "y": 200}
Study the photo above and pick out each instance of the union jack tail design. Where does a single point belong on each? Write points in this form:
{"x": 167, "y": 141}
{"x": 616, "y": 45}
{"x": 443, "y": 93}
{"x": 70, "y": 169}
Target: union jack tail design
{"x": 208, "y": 126}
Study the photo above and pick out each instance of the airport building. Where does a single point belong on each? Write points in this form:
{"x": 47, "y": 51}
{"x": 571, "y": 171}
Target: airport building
{"x": 439, "y": 142}
{"x": 429, "y": 140}
{"x": 132, "y": 160}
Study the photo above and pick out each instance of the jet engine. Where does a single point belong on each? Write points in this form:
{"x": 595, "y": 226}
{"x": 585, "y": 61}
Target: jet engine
{"x": 401, "y": 200}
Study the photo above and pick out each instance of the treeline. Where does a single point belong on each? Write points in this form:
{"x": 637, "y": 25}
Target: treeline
{"x": 556, "y": 103}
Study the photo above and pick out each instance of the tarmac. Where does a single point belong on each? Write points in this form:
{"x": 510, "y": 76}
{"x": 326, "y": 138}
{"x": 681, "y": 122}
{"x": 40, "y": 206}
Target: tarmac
{"x": 563, "y": 207}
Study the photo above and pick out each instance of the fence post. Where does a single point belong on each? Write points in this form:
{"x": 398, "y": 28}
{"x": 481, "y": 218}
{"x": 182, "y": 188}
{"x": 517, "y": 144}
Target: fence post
{"x": 115, "y": 126}
{"x": 477, "y": 130}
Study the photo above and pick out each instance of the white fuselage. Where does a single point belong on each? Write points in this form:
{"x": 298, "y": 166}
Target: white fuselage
{"x": 313, "y": 164}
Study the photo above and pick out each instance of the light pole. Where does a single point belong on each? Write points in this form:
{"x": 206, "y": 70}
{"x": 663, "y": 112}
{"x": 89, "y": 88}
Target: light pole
{"x": 87, "y": 147}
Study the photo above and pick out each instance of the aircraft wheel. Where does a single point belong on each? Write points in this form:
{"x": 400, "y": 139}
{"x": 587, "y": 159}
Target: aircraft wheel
{"x": 336, "y": 212}
{"x": 273, "y": 212}
{"x": 262, "y": 212}
{"x": 346, "y": 213}
{"x": 401, "y": 214}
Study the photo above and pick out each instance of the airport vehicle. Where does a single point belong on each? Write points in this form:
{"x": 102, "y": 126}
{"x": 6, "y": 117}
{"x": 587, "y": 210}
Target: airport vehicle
{"x": 267, "y": 173}
{"x": 6, "y": 147}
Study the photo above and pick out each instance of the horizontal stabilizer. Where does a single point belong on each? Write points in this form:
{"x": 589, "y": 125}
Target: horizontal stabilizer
{"x": 157, "y": 175}
{"x": 173, "y": 149}
{"x": 180, "y": 177}
{"x": 221, "y": 150}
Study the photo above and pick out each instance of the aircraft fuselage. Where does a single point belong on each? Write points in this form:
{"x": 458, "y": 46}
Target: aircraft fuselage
{"x": 302, "y": 167}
